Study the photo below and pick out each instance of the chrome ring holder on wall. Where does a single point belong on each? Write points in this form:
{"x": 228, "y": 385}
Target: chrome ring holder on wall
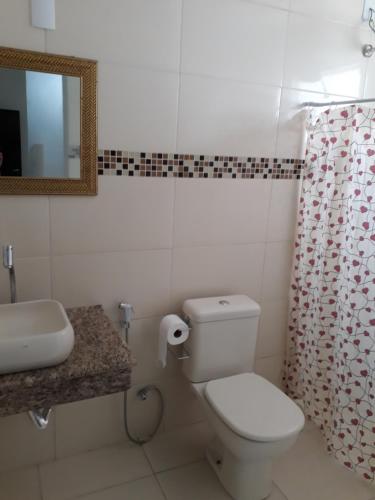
{"x": 368, "y": 49}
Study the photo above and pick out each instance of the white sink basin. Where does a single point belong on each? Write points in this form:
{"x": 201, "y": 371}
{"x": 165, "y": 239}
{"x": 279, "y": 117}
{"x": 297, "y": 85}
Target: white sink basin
{"x": 34, "y": 334}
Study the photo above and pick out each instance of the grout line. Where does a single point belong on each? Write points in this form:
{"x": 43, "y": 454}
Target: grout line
{"x": 179, "y": 78}
{"x": 149, "y": 461}
{"x": 40, "y": 483}
{"x": 107, "y": 488}
{"x": 283, "y": 73}
{"x": 317, "y": 17}
{"x": 241, "y": 81}
{"x": 182, "y": 247}
{"x": 51, "y": 285}
{"x": 171, "y": 271}
{"x": 261, "y": 292}
{"x": 107, "y": 252}
{"x": 268, "y": 6}
{"x": 278, "y": 487}
{"x": 160, "y": 487}
{"x": 181, "y": 466}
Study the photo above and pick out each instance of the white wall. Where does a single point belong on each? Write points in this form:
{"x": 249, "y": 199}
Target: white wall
{"x": 200, "y": 76}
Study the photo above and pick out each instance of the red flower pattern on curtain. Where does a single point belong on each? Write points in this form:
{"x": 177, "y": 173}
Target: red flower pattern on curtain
{"x": 331, "y": 354}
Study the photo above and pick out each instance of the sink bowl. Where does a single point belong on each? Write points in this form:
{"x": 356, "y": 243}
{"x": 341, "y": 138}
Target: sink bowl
{"x": 34, "y": 334}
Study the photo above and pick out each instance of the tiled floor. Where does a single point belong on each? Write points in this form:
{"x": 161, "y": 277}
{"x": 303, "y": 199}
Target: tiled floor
{"x": 173, "y": 467}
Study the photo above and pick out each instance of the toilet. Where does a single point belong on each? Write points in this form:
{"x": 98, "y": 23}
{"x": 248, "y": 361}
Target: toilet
{"x": 253, "y": 421}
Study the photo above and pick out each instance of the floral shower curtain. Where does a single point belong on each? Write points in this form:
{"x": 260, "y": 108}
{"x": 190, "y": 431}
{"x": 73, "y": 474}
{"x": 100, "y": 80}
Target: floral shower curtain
{"x": 331, "y": 355}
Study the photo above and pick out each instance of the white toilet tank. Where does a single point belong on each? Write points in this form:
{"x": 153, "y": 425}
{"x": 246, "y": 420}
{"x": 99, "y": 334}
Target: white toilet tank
{"x": 223, "y": 336}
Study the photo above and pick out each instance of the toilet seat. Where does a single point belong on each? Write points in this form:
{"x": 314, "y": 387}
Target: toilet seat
{"x": 254, "y": 408}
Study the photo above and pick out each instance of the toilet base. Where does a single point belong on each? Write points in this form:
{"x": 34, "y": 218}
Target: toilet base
{"x": 243, "y": 480}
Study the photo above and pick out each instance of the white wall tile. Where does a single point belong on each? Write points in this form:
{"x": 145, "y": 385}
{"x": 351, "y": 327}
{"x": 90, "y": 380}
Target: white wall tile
{"x": 24, "y": 222}
{"x": 229, "y": 39}
{"x": 219, "y": 270}
{"x": 271, "y": 368}
{"x": 136, "y": 32}
{"x": 370, "y": 81}
{"x": 369, "y": 92}
{"x": 33, "y": 280}
{"x": 277, "y": 270}
{"x": 324, "y": 57}
{"x": 217, "y": 211}
{"x": 23, "y": 444}
{"x": 182, "y": 406}
{"x": 15, "y": 27}
{"x": 272, "y": 328}
{"x": 224, "y": 117}
{"x": 142, "y": 278}
{"x": 283, "y": 210}
{"x": 333, "y": 10}
{"x": 291, "y": 134}
{"x": 128, "y": 214}
{"x": 89, "y": 424}
{"x": 144, "y": 344}
{"x": 291, "y": 137}
{"x": 137, "y": 108}
{"x": 143, "y": 415}
{"x": 21, "y": 484}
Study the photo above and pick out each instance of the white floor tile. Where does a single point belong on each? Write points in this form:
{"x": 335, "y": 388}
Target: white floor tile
{"x": 143, "y": 489}
{"x": 93, "y": 471}
{"x": 179, "y": 447}
{"x": 277, "y": 494}
{"x": 193, "y": 482}
{"x": 21, "y": 484}
{"x": 308, "y": 472}
{"x": 198, "y": 482}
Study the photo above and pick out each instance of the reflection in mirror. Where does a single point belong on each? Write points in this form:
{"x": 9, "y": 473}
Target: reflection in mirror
{"x": 39, "y": 124}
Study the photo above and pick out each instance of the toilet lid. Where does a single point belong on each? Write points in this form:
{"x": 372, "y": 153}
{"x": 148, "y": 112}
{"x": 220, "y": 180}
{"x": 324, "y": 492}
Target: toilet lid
{"x": 254, "y": 408}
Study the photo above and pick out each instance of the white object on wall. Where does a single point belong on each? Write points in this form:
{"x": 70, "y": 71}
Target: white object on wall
{"x": 367, "y": 5}
{"x": 43, "y": 14}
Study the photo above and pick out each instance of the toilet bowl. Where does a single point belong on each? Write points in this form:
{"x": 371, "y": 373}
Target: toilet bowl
{"x": 254, "y": 424}
{"x": 253, "y": 421}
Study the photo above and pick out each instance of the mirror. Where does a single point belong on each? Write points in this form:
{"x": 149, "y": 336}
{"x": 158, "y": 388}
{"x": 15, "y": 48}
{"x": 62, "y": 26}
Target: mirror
{"x": 47, "y": 124}
{"x": 39, "y": 124}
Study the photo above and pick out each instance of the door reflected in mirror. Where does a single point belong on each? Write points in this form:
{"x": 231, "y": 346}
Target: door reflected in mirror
{"x": 39, "y": 124}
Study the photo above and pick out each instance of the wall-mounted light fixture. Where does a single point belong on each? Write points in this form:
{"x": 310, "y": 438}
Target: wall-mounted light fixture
{"x": 43, "y": 14}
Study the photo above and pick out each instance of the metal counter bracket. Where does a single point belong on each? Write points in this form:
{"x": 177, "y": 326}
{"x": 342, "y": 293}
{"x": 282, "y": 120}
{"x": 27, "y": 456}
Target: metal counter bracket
{"x": 40, "y": 417}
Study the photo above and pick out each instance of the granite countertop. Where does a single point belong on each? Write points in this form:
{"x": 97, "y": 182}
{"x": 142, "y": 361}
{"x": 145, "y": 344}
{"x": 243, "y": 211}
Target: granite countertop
{"x": 99, "y": 364}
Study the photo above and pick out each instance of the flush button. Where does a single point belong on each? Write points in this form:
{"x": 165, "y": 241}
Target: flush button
{"x": 224, "y": 302}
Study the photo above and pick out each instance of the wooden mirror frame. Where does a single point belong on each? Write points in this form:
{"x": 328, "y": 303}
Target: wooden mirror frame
{"x": 86, "y": 70}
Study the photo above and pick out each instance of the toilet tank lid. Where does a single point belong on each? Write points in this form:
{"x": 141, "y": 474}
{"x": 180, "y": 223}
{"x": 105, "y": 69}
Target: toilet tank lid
{"x": 220, "y": 308}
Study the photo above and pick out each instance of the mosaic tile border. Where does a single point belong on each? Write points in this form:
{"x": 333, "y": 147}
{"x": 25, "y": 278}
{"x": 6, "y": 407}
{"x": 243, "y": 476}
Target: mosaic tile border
{"x": 115, "y": 162}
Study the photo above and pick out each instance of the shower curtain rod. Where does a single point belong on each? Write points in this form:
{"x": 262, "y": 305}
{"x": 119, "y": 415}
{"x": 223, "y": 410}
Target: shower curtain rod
{"x": 335, "y": 103}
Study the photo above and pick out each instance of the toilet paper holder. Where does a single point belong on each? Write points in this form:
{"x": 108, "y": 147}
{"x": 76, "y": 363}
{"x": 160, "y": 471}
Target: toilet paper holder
{"x": 183, "y": 354}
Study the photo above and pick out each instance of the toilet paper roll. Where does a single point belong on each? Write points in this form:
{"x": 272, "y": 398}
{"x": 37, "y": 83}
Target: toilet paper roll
{"x": 173, "y": 331}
